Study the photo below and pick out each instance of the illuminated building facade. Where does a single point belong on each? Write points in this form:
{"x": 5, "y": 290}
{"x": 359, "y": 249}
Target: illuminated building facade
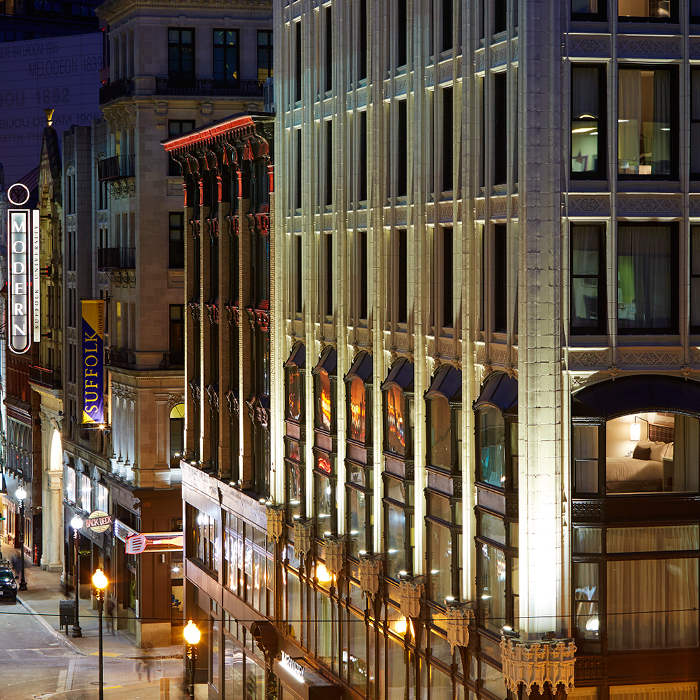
{"x": 485, "y": 438}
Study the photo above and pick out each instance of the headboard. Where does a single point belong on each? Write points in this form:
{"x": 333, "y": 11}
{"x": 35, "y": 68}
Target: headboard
{"x": 660, "y": 433}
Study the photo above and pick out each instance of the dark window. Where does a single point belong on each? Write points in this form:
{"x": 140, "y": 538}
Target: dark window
{"x": 329, "y": 274}
{"x": 588, "y": 123}
{"x": 297, "y": 67}
{"x": 363, "y": 273}
{"x": 695, "y": 279}
{"x": 175, "y": 128}
{"x": 264, "y": 54}
{"x": 499, "y": 16}
{"x": 647, "y": 122}
{"x": 447, "y": 184}
{"x": 402, "y": 276}
{"x": 329, "y": 48}
{"x": 588, "y": 279}
{"x": 500, "y": 128}
{"x": 447, "y": 25}
{"x": 500, "y": 280}
{"x": 401, "y": 33}
{"x": 181, "y": 57}
{"x": 647, "y": 281}
{"x": 299, "y": 280}
{"x": 363, "y": 156}
{"x": 447, "y": 278}
{"x": 329, "y": 162}
{"x": 298, "y": 193}
{"x": 363, "y": 58}
{"x": 177, "y": 334}
{"x": 661, "y": 10}
{"x": 695, "y": 11}
{"x": 226, "y": 56}
{"x": 176, "y": 249}
{"x": 695, "y": 122}
{"x": 402, "y": 155}
{"x": 588, "y": 10}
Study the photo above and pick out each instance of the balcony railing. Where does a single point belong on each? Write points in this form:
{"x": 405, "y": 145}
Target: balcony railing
{"x": 209, "y": 86}
{"x": 120, "y": 357}
{"x": 116, "y": 258}
{"x": 119, "y": 88}
{"x": 115, "y": 168}
{"x": 50, "y": 378}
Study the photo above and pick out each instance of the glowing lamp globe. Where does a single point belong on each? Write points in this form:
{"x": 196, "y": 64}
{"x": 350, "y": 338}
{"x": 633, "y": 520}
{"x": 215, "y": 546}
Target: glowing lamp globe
{"x": 99, "y": 580}
{"x": 192, "y": 634}
{"x": 76, "y": 522}
{"x": 21, "y": 494}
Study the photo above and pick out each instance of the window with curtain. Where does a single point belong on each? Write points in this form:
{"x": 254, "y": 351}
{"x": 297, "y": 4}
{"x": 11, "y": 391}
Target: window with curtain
{"x": 492, "y": 447}
{"x": 590, "y": 10}
{"x": 695, "y": 279}
{"x": 587, "y": 121}
{"x": 588, "y": 279}
{"x": 646, "y": 119}
{"x": 665, "y": 10}
{"x": 695, "y": 120}
{"x": 647, "y": 284}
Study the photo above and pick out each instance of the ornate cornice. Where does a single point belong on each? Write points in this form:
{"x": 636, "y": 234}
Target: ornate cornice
{"x": 537, "y": 663}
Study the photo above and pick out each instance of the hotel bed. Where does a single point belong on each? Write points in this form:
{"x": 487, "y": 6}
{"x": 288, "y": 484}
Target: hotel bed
{"x": 641, "y": 471}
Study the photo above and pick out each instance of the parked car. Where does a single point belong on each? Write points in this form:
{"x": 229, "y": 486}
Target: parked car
{"x": 8, "y": 585}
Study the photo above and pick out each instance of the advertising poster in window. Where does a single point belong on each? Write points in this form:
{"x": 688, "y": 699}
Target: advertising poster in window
{"x": 93, "y": 362}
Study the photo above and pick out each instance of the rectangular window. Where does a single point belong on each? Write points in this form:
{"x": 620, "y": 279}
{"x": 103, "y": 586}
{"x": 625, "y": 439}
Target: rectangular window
{"x": 695, "y": 11}
{"x": 500, "y": 279}
{"x": 402, "y": 148}
{"x": 363, "y": 157}
{"x": 329, "y": 47}
{"x": 695, "y": 122}
{"x": 401, "y": 33}
{"x": 298, "y": 169}
{"x": 362, "y": 273}
{"x": 329, "y": 274}
{"x": 647, "y": 118}
{"x": 588, "y": 121}
{"x": 177, "y": 334}
{"x": 181, "y": 58}
{"x": 363, "y": 58}
{"x": 329, "y": 163}
{"x": 647, "y": 279}
{"x": 175, "y": 128}
{"x": 299, "y": 280}
{"x": 264, "y": 54}
{"x": 226, "y": 57}
{"x": 297, "y": 67}
{"x": 176, "y": 250}
{"x": 402, "y": 276}
{"x": 447, "y": 278}
{"x": 588, "y": 279}
{"x": 447, "y": 25}
{"x": 663, "y": 10}
{"x": 500, "y": 128}
{"x": 695, "y": 279}
{"x": 447, "y": 137}
{"x": 499, "y": 16}
{"x": 588, "y": 10}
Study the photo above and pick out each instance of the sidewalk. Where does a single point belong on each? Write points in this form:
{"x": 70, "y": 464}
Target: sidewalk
{"x": 42, "y": 599}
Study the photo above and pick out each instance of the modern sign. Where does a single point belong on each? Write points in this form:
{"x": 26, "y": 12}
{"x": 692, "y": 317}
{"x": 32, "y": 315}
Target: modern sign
{"x": 149, "y": 542}
{"x": 93, "y": 362}
{"x": 98, "y": 521}
{"x": 294, "y": 667}
{"x": 18, "y": 245}
{"x": 36, "y": 285}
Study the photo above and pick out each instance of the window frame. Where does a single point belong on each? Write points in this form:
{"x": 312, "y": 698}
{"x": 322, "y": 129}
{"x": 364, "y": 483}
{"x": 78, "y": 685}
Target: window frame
{"x": 601, "y": 329}
{"x": 267, "y": 48}
{"x": 672, "y": 19}
{"x": 226, "y": 50}
{"x": 694, "y": 175}
{"x": 600, "y": 16}
{"x": 178, "y": 77}
{"x": 600, "y": 172}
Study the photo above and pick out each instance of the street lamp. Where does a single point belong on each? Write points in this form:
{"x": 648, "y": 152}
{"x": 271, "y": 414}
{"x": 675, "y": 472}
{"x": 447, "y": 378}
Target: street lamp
{"x": 192, "y": 637}
{"x": 99, "y": 581}
{"x": 21, "y": 495}
{"x": 76, "y": 523}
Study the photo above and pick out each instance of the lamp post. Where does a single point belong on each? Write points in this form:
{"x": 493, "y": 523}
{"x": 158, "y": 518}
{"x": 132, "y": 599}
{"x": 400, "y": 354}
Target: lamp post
{"x": 76, "y": 523}
{"x": 21, "y": 495}
{"x": 192, "y": 637}
{"x": 99, "y": 581}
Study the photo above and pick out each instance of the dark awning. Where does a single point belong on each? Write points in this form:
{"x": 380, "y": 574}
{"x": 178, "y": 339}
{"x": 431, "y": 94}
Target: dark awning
{"x": 328, "y": 361}
{"x": 447, "y": 382}
{"x": 361, "y": 367}
{"x": 401, "y": 374}
{"x": 500, "y": 391}
{"x": 650, "y": 392}
{"x": 297, "y": 358}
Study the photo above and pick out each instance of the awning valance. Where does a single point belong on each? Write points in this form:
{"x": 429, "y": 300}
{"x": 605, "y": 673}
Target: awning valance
{"x": 447, "y": 382}
{"x": 500, "y": 391}
{"x": 401, "y": 374}
{"x": 297, "y": 357}
{"x": 328, "y": 361}
{"x": 361, "y": 367}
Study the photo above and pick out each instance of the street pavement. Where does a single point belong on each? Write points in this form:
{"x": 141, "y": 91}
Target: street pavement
{"x": 38, "y": 661}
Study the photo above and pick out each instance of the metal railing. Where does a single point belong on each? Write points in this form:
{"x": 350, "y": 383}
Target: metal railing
{"x": 118, "y": 88}
{"x": 50, "y": 378}
{"x": 120, "y": 357}
{"x": 115, "y": 168}
{"x": 209, "y": 86}
{"x": 116, "y": 258}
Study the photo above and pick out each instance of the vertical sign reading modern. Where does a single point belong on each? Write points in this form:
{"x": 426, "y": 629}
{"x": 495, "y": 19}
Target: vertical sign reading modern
{"x": 36, "y": 286}
{"x": 18, "y": 223}
{"x": 93, "y": 362}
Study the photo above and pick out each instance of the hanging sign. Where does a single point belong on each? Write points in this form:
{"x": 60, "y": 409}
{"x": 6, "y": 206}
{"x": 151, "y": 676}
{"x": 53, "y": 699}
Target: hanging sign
{"x": 18, "y": 224}
{"x": 148, "y": 542}
{"x": 98, "y": 521}
{"x": 36, "y": 287}
{"x": 93, "y": 362}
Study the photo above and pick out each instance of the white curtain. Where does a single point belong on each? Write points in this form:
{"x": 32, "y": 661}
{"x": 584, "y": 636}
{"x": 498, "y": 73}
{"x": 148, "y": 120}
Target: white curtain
{"x": 661, "y": 132}
{"x": 657, "y": 691}
{"x": 686, "y": 453}
{"x": 629, "y": 119}
{"x": 652, "y": 603}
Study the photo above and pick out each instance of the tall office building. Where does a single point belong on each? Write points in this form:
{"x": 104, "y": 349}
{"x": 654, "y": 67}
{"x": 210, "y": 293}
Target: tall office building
{"x": 486, "y": 309}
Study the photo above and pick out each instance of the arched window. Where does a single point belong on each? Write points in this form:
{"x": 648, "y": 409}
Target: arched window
{"x": 294, "y": 393}
{"x": 358, "y": 410}
{"x": 177, "y": 434}
{"x": 295, "y": 369}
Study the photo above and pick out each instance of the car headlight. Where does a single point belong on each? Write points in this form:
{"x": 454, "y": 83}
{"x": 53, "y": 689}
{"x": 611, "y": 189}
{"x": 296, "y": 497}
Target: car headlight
{"x": 14, "y": 584}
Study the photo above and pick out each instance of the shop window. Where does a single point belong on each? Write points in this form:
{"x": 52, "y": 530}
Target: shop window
{"x": 588, "y": 121}
{"x": 588, "y": 298}
{"x": 647, "y": 122}
{"x": 444, "y": 550}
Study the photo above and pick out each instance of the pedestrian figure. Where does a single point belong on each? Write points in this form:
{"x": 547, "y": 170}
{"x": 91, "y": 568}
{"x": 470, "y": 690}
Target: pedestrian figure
{"x": 138, "y": 667}
{"x": 110, "y": 612}
{"x": 16, "y": 563}
{"x": 148, "y": 662}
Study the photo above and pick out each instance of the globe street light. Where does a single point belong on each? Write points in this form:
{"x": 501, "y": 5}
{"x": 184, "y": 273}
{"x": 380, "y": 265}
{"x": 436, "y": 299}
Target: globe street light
{"x": 76, "y": 523}
{"x": 192, "y": 637}
{"x": 21, "y": 495}
{"x": 100, "y": 582}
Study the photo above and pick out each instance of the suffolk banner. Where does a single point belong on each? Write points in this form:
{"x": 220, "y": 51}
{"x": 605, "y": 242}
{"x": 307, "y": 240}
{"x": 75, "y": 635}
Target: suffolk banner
{"x": 93, "y": 362}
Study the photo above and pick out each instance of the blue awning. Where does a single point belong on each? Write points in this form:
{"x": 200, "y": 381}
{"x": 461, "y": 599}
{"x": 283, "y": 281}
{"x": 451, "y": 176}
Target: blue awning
{"x": 401, "y": 374}
{"x": 447, "y": 382}
{"x": 500, "y": 391}
{"x": 361, "y": 367}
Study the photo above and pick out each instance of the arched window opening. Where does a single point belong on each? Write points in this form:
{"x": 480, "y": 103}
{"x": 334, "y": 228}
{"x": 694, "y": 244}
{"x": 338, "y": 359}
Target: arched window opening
{"x": 177, "y": 434}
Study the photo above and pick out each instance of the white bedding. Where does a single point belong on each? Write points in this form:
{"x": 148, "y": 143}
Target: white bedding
{"x": 631, "y": 469}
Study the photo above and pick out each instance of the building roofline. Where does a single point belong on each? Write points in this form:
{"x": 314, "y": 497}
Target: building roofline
{"x": 211, "y": 131}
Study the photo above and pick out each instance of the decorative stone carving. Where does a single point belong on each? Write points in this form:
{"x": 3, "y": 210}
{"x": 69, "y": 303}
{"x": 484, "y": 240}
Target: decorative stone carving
{"x": 446, "y": 212}
{"x": 370, "y": 574}
{"x": 589, "y": 46}
{"x": 328, "y": 107}
{"x": 410, "y": 595}
{"x": 401, "y": 85}
{"x": 457, "y": 621}
{"x": 514, "y": 206}
{"x": 537, "y": 663}
{"x": 589, "y": 359}
{"x": 479, "y": 60}
{"x": 480, "y": 211}
{"x": 206, "y": 109}
{"x": 586, "y": 511}
{"x": 499, "y": 207}
{"x": 643, "y": 205}
{"x": 651, "y": 358}
{"x": 361, "y": 97}
{"x": 303, "y": 533}
{"x": 694, "y": 203}
{"x": 275, "y": 522}
{"x": 429, "y": 76}
{"x": 445, "y": 71}
{"x": 694, "y": 47}
{"x": 499, "y": 54}
{"x": 161, "y": 110}
{"x": 582, "y": 206}
{"x": 658, "y": 47}
{"x": 400, "y": 215}
{"x": 335, "y": 556}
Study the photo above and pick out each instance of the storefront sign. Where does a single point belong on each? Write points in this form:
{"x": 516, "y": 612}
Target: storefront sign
{"x": 36, "y": 287}
{"x": 148, "y": 542}
{"x": 18, "y": 223}
{"x": 93, "y": 362}
{"x": 123, "y": 531}
{"x": 294, "y": 667}
{"x": 98, "y": 521}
